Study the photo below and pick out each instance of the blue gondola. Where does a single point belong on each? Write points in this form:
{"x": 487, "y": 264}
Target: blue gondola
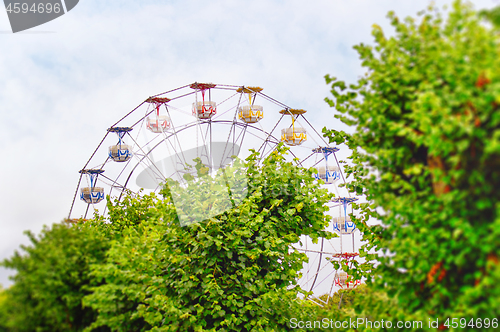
{"x": 344, "y": 225}
{"x": 120, "y": 152}
{"x": 329, "y": 174}
{"x": 92, "y": 194}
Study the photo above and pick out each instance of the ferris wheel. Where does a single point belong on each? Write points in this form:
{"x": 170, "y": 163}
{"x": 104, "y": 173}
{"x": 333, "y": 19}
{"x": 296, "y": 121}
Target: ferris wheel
{"x": 214, "y": 122}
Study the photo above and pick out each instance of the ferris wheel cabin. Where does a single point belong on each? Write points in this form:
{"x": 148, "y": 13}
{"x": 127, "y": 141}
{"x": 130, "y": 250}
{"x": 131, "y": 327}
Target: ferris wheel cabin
{"x": 92, "y": 194}
{"x": 329, "y": 174}
{"x": 158, "y": 123}
{"x": 341, "y": 281}
{"x": 343, "y": 225}
{"x": 120, "y": 152}
{"x": 294, "y": 135}
{"x": 204, "y": 109}
{"x": 250, "y": 113}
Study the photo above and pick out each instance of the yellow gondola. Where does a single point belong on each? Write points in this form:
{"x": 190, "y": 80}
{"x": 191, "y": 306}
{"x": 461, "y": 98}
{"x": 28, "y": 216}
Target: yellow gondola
{"x": 294, "y": 135}
{"x": 250, "y": 113}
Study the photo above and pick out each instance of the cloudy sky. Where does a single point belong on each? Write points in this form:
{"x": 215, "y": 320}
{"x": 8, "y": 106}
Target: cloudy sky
{"x": 62, "y": 84}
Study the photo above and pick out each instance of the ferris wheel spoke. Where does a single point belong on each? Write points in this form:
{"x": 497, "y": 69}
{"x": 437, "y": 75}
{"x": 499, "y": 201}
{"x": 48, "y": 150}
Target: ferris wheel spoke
{"x": 176, "y": 138}
{"x": 324, "y": 279}
{"x": 230, "y": 109}
{"x": 315, "y": 274}
{"x": 228, "y": 141}
{"x": 241, "y": 135}
{"x": 145, "y": 156}
{"x": 232, "y": 130}
{"x": 262, "y": 149}
{"x": 86, "y": 211}
{"x": 271, "y": 133}
{"x": 273, "y": 100}
{"x": 112, "y": 183}
{"x": 311, "y": 126}
{"x": 74, "y": 196}
{"x": 270, "y": 138}
{"x": 265, "y": 153}
{"x": 179, "y": 110}
{"x": 295, "y": 157}
{"x": 319, "y": 265}
{"x": 330, "y": 292}
{"x": 333, "y": 247}
{"x": 210, "y": 161}
{"x": 205, "y": 147}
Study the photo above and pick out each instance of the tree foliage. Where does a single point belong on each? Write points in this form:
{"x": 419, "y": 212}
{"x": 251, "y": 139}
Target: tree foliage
{"x": 426, "y": 153}
{"x": 140, "y": 270}
{"x": 491, "y": 15}
{"x": 3, "y": 310}
{"x": 233, "y": 272}
{"x": 52, "y": 279}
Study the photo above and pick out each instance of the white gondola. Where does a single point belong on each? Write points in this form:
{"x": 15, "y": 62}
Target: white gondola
{"x": 120, "y": 152}
{"x": 92, "y": 195}
{"x": 341, "y": 281}
{"x": 158, "y": 124}
{"x": 204, "y": 110}
{"x": 341, "y": 226}
{"x": 251, "y": 114}
{"x": 328, "y": 174}
{"x": 293, "y": 136}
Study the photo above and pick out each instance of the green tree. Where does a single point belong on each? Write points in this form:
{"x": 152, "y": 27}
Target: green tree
{"x": 492, "y": 15}
{"x": 426, "y": 153}
{"x": 233, "y": 272}
{"x": 51, "y": 280}
{"x": 3, "y": 310}
{"x": 140, "y": 270}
